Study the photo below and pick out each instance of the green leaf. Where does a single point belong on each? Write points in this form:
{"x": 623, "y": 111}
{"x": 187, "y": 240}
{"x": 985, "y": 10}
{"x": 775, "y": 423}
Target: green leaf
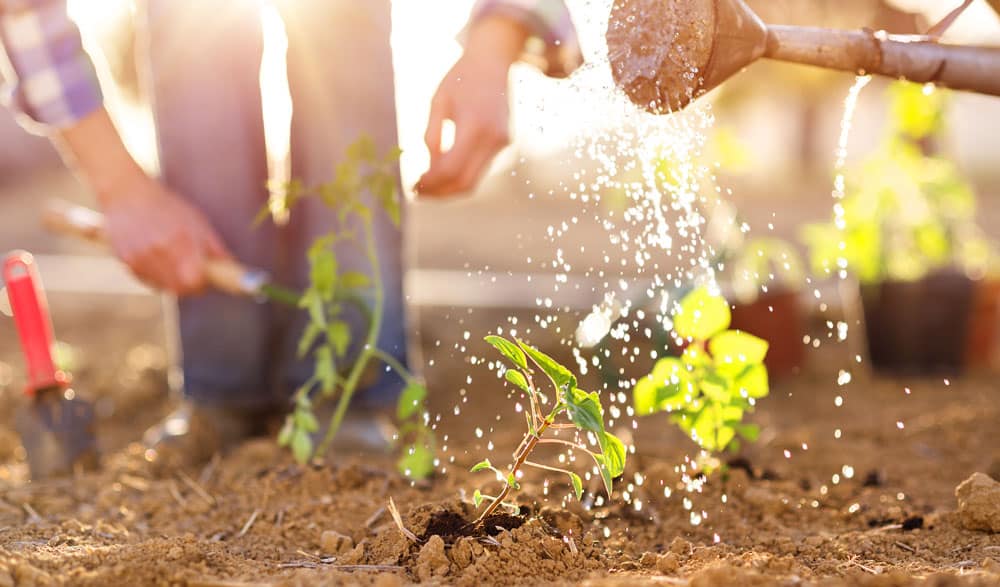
{"x": 754, "y": 381}
{"x": 354, "y": 280}
{"x": 481, "y": 466}
{"x": 392, "y": 155}
{"x": 666, "y": 388}
{"x": 326, "y": 369}
{"x": 509, "y": 350}
{"x": 306, "y": 420}
{"x": 302, "y": 446}
{"x": 339, "y": 335}
{"x": 410, "y": 401}
{"x": 285, "y": 435}
{"x": 477, "y": 498}
{"x": 312, "y": 302}
{"x": 715, "y": 387}
{"x": 736, "y": 347}
{"x": 517, "y": 378}
{"x": 512, "y": 481}
{"x": 701, "y": 314}
{"x": 362, "y": 149}
{"x": 417, "y": 462}
{"x": 613, "y": 451}
{"x": 709, "y": 430}
{"x": 611, "y": 461}
{"x": 561, "y": 377}
{"x": 577, "y": 484}
{"x": 585, "y": 411}
{"x": 323, "y": 270}
{"x": 751, "y": 432}
{"x": 309, "y": 335}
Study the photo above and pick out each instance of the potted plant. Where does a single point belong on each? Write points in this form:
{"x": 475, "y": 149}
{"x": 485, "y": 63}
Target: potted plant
{"x": 905, "y": 230}
{"x": 763, "y": 279}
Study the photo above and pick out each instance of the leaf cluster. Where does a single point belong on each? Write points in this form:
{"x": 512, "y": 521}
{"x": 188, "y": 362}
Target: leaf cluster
{"x": 714, "y": 383}
{"x": 905, "y": 213}
{"x": 581, "y": 409}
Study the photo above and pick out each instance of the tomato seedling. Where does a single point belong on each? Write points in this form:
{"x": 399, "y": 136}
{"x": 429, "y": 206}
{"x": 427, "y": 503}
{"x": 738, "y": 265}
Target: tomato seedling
{"x": 717, "y": 379}
{"x": 327, "y": 337}
{"x": 581, "y": 409}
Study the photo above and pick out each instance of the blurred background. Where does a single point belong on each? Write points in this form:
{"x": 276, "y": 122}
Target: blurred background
{"x": 774, "y": 140}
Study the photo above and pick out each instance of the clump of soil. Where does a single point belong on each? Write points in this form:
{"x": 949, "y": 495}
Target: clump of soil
{"x": 451, "y": 524}
{"x": 979, "y": 503}
{"x": 658, "y": 50}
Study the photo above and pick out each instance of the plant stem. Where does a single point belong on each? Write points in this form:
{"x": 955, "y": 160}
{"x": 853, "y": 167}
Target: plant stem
{"x": 369, "y": 349}
{"x": 527, "y": 445}
{"x": 394, "y": 364}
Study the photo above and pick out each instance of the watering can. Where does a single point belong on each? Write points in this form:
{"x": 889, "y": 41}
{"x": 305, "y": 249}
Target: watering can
{"x": 666, "y": 53}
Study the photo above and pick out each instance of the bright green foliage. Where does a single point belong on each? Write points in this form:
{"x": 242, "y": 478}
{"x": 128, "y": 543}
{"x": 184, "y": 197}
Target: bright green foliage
{"x": 582, "y": 410}
{"x": 765, "y": 262}
{"x": 334, "y": 291}
{"x": 905, "y": 213}
{"x": 714, "y": 383}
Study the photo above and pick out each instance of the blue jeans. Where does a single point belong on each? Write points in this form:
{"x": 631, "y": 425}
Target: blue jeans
{"x": 204, "y": 64}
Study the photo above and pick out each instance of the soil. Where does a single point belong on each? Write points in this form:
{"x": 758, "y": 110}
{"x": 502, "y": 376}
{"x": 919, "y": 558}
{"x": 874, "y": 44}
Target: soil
{"x": 874, "y": 507}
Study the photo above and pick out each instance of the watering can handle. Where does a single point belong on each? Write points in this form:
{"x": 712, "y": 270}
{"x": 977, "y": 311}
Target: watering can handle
{"x": 31, "y": 317}
{"x": 222, "y": 274}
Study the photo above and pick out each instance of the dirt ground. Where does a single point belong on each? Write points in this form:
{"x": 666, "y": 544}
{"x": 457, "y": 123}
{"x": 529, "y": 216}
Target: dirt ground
{"x": 874, "y": 507}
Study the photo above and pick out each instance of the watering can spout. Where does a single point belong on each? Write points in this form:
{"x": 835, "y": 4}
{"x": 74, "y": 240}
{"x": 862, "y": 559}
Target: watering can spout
{"x": 666, "y": 53}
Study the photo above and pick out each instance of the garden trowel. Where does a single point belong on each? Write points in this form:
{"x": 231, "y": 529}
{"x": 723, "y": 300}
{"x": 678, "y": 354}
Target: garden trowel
{"x": 56, "y": 426}
{"x": 224, "y": 275}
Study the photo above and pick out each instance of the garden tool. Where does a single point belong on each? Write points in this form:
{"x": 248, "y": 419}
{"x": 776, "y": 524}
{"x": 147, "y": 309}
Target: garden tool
{"x": 666, "y": 53}
{"x": 223, "y": 274}
{"x": 56, "y": 426}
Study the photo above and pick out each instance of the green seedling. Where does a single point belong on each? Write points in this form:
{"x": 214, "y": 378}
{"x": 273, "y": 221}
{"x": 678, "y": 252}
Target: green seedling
{"x": 581, "y": 411}
{"x": 327, "y": 340}
{"x": 714, "y": 383}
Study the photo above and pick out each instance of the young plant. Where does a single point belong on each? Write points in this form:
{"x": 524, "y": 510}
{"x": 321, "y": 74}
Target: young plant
{"x": 905, "y": 213}
{"x": 327, "y": 338}
{"x": 581, "y": 410}
{"x": 714, "y": 383}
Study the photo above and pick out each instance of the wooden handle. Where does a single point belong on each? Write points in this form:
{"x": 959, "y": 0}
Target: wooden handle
{"x": 222, "y": 274}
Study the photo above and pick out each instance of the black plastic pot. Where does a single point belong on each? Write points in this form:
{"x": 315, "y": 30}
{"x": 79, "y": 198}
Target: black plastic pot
{"x": 918, "y": 327}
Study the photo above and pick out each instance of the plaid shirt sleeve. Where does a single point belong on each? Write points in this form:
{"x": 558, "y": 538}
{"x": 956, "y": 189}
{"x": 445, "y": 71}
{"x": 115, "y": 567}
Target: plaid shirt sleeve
{"x": 51, "y": 79}
{"x": 554, "y": 40}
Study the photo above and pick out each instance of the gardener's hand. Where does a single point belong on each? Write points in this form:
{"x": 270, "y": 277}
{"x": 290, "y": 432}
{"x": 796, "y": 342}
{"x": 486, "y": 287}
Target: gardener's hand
{"x": 474, "y": 97}
{"x": 162, "y": 238}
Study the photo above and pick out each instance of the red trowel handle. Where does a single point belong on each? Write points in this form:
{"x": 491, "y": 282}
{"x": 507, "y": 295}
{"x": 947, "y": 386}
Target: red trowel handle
{"x": 31, "y": 315}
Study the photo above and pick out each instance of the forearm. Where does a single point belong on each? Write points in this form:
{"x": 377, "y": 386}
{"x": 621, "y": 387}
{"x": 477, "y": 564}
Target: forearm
{"x": 94, "y": 149}
{"x": 551, "y": 40}
{"x": 498, "y": 36}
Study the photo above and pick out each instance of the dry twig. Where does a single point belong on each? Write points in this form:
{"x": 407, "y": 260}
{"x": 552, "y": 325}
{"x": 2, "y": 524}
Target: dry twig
{"x": 175, "y": 493}
{"x": 196, "y": 488}
{"x": 399, "y": 522}
{"x": 374, "y": 517}
{"x": 247, "y": 526}
{"x": 32, "y": 514}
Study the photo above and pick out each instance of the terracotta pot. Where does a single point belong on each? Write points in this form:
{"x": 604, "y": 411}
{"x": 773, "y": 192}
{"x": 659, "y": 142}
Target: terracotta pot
{"x": 777, "y": 318}
{"x": 918, "y": 327}
{"x": 980, "y": 340}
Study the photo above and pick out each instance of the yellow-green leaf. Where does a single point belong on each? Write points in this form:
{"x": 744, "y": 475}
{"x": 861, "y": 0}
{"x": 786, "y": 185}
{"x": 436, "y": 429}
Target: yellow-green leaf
{"x": 701, "y": 314}
{"x": 736, "y": 347}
